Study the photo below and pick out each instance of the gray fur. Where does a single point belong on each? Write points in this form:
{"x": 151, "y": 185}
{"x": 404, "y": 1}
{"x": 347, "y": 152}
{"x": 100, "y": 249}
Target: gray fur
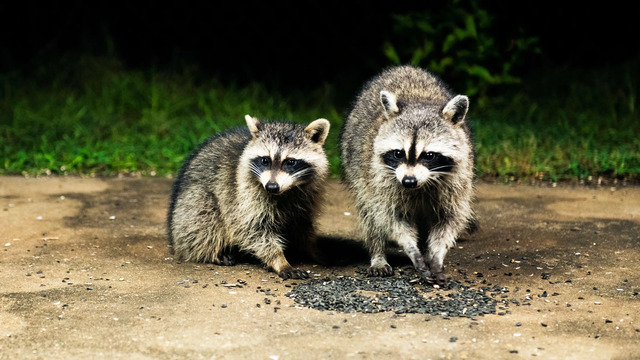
{"x": 220, "y": 203}
{"x": 422, "y": 201}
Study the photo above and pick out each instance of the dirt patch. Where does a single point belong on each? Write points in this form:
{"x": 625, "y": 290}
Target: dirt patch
{"x": 85, "y": 271}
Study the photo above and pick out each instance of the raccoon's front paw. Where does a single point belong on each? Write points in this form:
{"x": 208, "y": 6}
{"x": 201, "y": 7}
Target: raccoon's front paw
{"x": 382, "y": 270}
{"x": 424, "y": 274}
{"x": 225, "y": 260}
{"x": 292, "y": 273}
{"x": 440, "y": 279}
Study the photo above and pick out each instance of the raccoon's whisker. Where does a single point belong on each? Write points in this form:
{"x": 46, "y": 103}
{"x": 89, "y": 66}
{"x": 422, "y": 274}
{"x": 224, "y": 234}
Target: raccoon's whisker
{"x": 303, "y": 173}
{"x": 442, "y": 167}
{"x": 255, "y": 170}
{"x": 436, "y": 180}
{"x": 439, "y": 173}
{"x": 433, "y": 180}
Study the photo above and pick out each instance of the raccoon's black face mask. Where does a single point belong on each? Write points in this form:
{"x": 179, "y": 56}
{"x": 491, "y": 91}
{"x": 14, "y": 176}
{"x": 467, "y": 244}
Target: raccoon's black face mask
{"x": 408, "y": 167}
{"x": 413, "y": 144}
{"x": 279, "y": 171}
{"x": 285, "y": 155}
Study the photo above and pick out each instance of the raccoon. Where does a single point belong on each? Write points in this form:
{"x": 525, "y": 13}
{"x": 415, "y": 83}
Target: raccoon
{"x": 252, "y": 190}
{"x": 408, "y": 159}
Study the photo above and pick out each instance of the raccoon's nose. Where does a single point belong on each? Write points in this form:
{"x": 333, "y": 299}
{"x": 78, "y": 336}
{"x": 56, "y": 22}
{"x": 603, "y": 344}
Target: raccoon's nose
{"x": 409, "y": 182}
{"x": 272, "y": 187}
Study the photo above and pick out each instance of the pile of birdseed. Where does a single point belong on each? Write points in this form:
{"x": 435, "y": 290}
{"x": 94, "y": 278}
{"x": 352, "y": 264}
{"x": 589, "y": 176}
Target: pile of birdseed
{"x": 398, "y": 294}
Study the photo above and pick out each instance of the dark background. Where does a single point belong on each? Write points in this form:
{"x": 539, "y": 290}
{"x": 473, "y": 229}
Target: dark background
{"x": 290, "y": 45}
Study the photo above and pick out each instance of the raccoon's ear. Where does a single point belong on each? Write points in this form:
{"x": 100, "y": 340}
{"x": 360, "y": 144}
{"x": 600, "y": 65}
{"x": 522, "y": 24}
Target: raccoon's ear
{"x": 253, "y": 125}
{"x": 390, "y": 103}
{"x": 456, "y": 109}
{"x": 317, "y": 131}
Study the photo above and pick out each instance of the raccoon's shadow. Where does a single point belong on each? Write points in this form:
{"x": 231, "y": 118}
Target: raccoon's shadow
{"x": 337, "y": 251}
{"x": 332, "y": 251}
{"x": 329, "y": 251}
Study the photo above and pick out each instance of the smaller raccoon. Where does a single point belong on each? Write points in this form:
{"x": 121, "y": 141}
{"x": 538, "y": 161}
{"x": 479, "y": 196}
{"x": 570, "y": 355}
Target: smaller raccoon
{"x": 408, "y": 160}
{"x": 252, "y": 190}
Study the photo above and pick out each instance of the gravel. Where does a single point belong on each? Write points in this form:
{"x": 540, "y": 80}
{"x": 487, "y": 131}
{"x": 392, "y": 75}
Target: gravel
{"x": 400, "y": 294}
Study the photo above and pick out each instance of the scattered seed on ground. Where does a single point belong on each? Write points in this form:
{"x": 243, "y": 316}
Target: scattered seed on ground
{"x": 398, "y": 294}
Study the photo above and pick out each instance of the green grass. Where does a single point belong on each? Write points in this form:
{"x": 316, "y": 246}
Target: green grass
{"x": 96, "y": 117}
{"x": 568, "y": 124}
{"x": 121, "y": 121}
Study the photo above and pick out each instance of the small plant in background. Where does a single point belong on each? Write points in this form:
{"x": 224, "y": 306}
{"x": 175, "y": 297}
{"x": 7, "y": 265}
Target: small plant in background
{"x": 459, "y": 40}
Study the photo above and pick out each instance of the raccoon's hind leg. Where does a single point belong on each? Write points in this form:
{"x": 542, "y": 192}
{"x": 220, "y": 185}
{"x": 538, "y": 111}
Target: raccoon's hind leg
{"x": 197, "y": 232}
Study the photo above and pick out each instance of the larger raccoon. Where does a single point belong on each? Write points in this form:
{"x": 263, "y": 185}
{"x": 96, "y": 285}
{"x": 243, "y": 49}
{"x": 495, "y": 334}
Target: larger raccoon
{"x": 254, "y": 190}
{"x": 408, "y": 160}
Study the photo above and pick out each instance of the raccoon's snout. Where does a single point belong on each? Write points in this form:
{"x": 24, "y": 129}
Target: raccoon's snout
{"x": 409, "y": 182}
{"x": 272, "y": 188}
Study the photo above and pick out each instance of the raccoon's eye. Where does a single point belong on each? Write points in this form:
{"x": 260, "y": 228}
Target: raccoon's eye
{"x": 428, "y": 156}
{"x": 265, "y": 161}
{"x": 398, "y": 154}
{"x": 291, "y": 162}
